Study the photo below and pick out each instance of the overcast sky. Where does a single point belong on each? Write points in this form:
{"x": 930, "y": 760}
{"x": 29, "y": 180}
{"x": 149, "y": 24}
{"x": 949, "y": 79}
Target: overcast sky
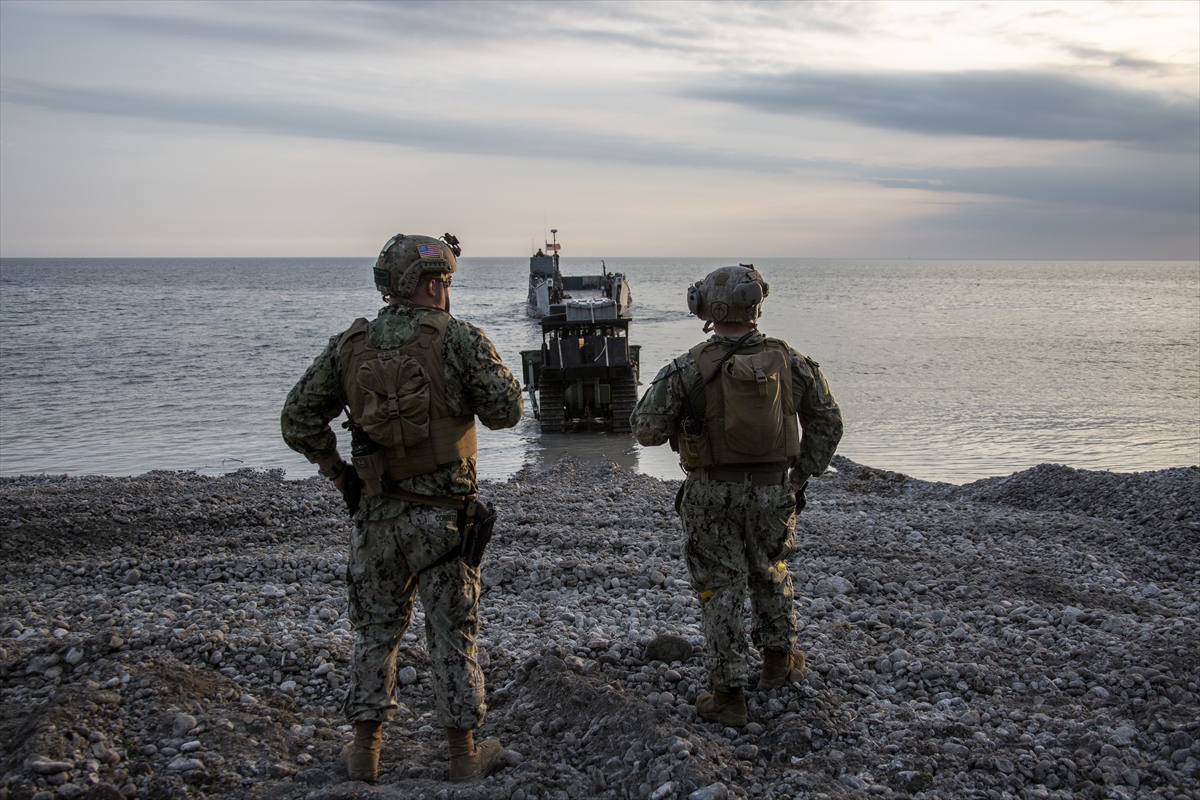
{"x": 946, "y": 130}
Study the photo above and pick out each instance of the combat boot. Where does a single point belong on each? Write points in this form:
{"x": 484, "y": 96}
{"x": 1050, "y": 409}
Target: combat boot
{"x": 727, "y": 708}
{"x": 361, "y": 756}
{"x": 469, "y": 760}
{"x": 779, "y": 668}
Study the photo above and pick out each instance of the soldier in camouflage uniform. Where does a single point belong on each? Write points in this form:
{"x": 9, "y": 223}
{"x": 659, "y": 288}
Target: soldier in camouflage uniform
{"x": 734, "y": 408}
{"x": 413, "y": 380}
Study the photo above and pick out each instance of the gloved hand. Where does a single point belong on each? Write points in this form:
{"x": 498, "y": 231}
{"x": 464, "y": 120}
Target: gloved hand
{"x": 350, "y": 485}
{"x": 801, "y": 500}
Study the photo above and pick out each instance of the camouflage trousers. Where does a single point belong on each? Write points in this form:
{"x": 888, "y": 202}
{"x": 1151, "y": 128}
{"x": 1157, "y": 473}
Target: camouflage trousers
{"x": 738, "y": 538}
{"x": 385, "y": 559}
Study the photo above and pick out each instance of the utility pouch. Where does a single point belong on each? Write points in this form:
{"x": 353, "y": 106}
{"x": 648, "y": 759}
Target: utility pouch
{"x": 752, "y": 388}
{"x": 367, "y": 457}
{"x": 695, "y": 451}
{"x": 394, "y": 391}
{"x": 476, "y": 522}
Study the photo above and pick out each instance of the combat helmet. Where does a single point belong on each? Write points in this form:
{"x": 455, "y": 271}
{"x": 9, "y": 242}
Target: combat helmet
{"x": 728, "y": 294}
{"x": 404, "y": 259}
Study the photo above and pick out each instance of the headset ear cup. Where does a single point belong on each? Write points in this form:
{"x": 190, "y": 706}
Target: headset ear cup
{"x": 694, "y": 301}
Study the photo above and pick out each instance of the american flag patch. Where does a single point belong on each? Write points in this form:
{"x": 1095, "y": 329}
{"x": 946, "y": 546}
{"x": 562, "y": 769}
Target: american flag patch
{"x": 429, "y": 251}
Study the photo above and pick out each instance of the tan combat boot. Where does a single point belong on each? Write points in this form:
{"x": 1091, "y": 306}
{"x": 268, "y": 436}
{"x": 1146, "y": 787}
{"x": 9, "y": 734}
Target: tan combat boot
{"x": 727, "y": 708}
{"x": 780, "y": 668}
{"x": 469, "y": 760}
{"x": 361, "y": 756}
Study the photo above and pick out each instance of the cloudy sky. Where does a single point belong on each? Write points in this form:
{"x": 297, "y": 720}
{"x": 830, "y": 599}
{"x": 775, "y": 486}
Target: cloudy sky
{"x": 856, "y": 129}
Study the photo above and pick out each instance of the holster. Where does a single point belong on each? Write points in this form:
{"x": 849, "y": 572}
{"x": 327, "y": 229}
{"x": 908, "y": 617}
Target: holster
{"x": 476, "y": 520}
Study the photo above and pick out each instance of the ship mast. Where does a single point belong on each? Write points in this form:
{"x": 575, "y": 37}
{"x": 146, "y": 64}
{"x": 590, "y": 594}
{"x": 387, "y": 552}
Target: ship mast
{"x": 557, "y": 282}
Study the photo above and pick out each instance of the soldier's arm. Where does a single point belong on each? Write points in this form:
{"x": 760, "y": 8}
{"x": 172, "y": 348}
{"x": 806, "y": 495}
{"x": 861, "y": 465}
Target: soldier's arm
{"x": 490, "y": 387}
{"x": 311, "y": 404}
{"x": 820, "y": 417}
{"x": 655, "y": 419}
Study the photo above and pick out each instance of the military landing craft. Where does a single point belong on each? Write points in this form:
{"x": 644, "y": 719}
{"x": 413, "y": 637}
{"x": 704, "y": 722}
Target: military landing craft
{"x": 585, "y": 374}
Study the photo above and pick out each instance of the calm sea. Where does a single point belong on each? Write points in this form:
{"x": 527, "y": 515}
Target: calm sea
{"x": 945, "y": 370}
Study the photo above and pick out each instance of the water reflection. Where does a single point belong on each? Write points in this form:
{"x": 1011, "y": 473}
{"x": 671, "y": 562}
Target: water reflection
{"x": 504, "y": 453}
{"x": 548, "y": 448}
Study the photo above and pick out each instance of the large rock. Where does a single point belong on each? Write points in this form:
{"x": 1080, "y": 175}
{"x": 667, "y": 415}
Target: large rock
{"x": 669, "y": 648}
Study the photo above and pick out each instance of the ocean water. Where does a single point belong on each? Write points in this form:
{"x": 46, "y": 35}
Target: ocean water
{"x": 945, "y": 370}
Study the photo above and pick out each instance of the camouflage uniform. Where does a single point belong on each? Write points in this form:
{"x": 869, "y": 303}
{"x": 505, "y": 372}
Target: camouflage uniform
{"x": 394, "y": 540}
{"x": 740, "y": 535}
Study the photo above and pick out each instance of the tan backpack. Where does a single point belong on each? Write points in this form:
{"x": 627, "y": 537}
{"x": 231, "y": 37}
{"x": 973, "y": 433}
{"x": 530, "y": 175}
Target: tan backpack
{"x": 398, "y": 397}
{"x": 749, "y": 416}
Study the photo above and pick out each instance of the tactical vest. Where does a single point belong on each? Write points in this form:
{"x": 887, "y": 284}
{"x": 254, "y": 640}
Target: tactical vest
{"x": 398, "y": 396}
{"x": 749, "y": 416}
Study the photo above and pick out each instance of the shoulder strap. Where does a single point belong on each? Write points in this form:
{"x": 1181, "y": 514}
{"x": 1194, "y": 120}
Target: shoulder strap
{"x": 433, "y": 325}
{"x": 357, "y": 330}
{"x": 695, "y": 399}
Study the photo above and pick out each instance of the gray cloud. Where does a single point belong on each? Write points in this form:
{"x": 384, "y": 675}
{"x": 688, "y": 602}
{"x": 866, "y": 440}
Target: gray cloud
{"x": 1005, "y": 103}
{"x": 325, "y": 122}
{"x": 704, "y": 30}
{"x": 1119, "y": 60}
{"x": 1163, "y": 185}
{"x": 275, "y": 34}
{"x": 1143, "y": 182}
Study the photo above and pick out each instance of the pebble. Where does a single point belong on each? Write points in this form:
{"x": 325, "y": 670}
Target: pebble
{"x": 716, "y": 791}
{"x": 746, "y": 752}
{"x": 182, "y": 724}
{"x": 105, "y": 791}
{"x": 946, "y": 649}
{"x": 51, "y": 767}
{"x": 669, "y": 649}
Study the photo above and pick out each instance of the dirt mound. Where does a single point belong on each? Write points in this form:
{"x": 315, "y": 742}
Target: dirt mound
{"x": 163, "y": 700}
{"x": 1160, "y": 497}
{"x": 859, "y": 479}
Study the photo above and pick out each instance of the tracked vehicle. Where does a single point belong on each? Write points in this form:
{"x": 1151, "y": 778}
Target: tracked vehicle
{"x": 585, "y": 374}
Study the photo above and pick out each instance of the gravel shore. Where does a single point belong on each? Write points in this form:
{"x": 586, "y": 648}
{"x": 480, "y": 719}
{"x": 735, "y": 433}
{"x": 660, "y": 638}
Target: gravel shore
{"x": 1034, "y": 636}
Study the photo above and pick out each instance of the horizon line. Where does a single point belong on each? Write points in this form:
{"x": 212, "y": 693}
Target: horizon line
{"x": 696, "y": 257}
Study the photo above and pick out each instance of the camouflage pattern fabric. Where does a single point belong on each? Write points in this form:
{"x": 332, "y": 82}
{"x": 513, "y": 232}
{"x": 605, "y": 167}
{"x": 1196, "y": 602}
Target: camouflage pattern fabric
{"x": 657, "y": 415}
{"x": 384, "y": 559}
{"x": 394, "y": 539}
{"x": 738, "y": 538}
{"x": 476, "y": 382}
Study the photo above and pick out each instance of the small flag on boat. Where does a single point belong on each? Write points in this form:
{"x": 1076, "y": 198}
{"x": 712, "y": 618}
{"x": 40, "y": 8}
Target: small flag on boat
{"x": 429, "y": 251}
{"x": 553, "y": 246}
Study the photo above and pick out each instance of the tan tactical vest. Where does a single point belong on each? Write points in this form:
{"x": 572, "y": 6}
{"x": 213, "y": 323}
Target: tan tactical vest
{"x": 749, "y": 416}
{"x": 398, "y": 396}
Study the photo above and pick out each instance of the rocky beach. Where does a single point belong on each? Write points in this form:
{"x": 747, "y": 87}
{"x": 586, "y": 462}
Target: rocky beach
{"x": 1032, "y": 636}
